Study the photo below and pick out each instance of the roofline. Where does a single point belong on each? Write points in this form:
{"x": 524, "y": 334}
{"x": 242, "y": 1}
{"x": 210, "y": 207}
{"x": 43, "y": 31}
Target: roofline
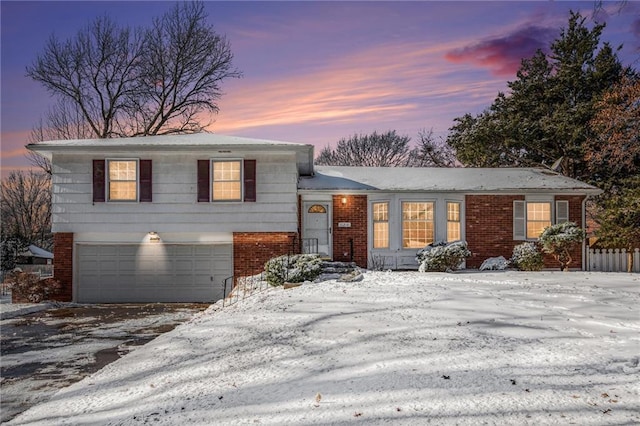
{"x": 561, "y": 191}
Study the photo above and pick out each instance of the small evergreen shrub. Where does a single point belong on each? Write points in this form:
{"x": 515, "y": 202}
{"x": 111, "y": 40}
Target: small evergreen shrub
{"x": 296, "y": 268}
{"x": 30, "y": 287}
{"x": 442, "y": 257}
{"x": 558, "y": 240}
{"x": 527, "y": 257}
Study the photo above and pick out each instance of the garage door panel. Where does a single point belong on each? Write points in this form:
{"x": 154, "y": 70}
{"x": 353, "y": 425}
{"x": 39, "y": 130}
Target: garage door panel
{"x": 152, "y": 273}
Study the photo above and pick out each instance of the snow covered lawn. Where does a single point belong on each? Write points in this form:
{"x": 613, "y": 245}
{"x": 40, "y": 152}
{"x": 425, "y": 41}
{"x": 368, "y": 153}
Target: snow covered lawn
{"x": 399, "y": 348}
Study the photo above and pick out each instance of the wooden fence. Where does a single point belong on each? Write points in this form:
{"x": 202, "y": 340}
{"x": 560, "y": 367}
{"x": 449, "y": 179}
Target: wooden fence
{"x": 611, "y": 260}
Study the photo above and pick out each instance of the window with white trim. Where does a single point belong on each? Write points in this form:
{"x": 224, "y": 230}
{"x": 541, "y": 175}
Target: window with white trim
{"x": 380, "y": 213}
{"x": 530, "y": 218}
{"x": 122, "y": 182}
{"x": 454, "y": 228}
{"x": 226, "y": 179}
{"x": 417, "y": 224}
{"x": 562, "y": 211}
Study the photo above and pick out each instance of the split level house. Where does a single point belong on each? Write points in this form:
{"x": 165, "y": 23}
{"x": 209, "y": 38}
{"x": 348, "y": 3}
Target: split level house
{"x": 171, "y": 218}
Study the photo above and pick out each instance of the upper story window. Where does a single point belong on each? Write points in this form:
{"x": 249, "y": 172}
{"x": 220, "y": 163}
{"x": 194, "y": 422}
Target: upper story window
{"x": 123, "y": 180}
{"x": 417, "y": 224}
{"x": 226, "y": 180}
{"x": 454, "y": 232}
{"x": 380, "y": 213}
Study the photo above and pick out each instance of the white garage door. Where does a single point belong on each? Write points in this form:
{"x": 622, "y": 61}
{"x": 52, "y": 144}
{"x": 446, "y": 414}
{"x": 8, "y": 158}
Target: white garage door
{"x": 152, "y": 272}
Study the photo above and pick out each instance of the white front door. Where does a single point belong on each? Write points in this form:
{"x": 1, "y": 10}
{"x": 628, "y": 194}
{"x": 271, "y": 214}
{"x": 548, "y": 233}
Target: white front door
{"x": 316, "y": 235}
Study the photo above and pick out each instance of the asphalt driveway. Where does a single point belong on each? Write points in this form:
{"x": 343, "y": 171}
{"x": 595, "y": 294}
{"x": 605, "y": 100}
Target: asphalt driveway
{"x": 44, "y": 351}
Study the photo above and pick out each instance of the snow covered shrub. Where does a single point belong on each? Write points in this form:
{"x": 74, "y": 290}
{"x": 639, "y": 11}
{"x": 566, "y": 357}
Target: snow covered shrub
{"x": 495, "y": 263}
{"x": 527, "y": 257}
{"x": 293, "y": 269}
{"x": 558, "y": 240}
{"x": 442, "y": 257}
{"x": 29, "y": 287}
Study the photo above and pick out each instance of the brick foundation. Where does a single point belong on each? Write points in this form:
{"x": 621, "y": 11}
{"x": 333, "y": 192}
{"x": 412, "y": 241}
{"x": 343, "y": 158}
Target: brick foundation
{"x": 251, "y": 250}
{"x": 354, "y": 212}
{"x": 489, "y": 228}
{"x": 63, "y": 264}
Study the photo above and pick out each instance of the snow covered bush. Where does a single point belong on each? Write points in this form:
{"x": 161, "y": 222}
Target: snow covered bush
{"x": 527, "y": 257}
{"x": 29, "y": 287}
{"x": 293, "y": 269}
{"x": 495, "y": 263}
{"x": 558, "y": 240}
{"x": 442, "y": 257}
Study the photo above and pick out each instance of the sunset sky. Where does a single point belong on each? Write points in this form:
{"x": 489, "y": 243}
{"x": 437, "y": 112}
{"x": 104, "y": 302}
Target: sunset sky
{"x": 315, "y": 72}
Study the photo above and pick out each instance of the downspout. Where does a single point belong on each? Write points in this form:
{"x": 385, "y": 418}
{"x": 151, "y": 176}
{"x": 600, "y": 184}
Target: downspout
{"x": 584, "y": 242}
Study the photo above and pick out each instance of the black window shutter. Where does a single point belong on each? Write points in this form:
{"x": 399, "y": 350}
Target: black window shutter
{"x": 145, "y": 181}
{"x": 99, "y": 181}
{"x": 249, "y": 180}
{"x": 203, "y": 181}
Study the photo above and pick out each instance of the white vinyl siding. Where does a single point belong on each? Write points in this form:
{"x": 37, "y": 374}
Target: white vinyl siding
{"x": 174, "y": 207}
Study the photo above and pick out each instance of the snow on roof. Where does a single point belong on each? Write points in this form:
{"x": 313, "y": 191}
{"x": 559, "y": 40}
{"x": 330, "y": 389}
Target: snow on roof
{"x": 440, "y": 179}
{"x": 194, "y": 142}
{"x": 165, "y": 141}
{"x": 36, "y": 251}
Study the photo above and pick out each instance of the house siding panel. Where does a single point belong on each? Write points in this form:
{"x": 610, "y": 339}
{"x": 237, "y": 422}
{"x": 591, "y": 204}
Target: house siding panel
{"x": 175, "y": 207}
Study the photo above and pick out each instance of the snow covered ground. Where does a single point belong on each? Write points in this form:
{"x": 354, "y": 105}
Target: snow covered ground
{"x": 395, "y": 348}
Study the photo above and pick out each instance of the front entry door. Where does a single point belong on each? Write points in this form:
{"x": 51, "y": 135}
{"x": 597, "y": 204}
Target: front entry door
{"x": 317, "y": 230}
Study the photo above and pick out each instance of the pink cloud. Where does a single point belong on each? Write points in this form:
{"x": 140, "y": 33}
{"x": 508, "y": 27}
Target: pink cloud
{"x": 503, "y": 55}
{"x": 374, "y": 89}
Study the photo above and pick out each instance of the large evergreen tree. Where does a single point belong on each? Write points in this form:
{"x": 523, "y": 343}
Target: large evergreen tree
{"x": 545, "y": 117}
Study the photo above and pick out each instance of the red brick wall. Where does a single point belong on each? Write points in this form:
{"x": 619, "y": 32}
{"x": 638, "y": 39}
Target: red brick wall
{"x": 63, "y": 264}
{"x": 489, "y": 227}
{"x": 355, "y": 212}
{"x": 251, "y": 250}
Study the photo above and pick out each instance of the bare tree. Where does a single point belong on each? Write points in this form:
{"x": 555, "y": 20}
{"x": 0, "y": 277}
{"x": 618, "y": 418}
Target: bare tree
{"x": 64, "y": 121}
{"x": 179, "y": 80}
{"x": 136, "y": 82}
{"x": 375, "y": 150}
{"x": 430, "y": 152}
{"x": 95, "y": 71}
{"x": 25, "y": 205}
{"x": 388, "y": 150}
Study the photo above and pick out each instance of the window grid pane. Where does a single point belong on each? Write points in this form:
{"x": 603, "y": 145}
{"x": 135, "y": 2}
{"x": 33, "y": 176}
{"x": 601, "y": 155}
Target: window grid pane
{"x": 538, "y": 218}
{"x": 123, "y": 180}
{"x": 417, "y": 224}
{"x": 380, "y": 225}
{"x": 453, "y": 222}
{"x": 381, "y": 235}
{"x": 226, "y": 181}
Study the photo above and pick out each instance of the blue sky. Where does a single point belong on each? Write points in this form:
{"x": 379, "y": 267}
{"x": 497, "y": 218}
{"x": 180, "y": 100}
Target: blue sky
{"x": 315, "y": 72}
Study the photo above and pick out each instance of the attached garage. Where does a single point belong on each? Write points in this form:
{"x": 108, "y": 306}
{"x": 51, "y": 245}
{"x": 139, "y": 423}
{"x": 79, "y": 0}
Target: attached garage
{"x": 152, "y": 272}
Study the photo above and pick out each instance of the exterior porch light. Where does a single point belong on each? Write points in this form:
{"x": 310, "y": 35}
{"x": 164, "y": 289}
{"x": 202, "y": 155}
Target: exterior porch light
{"x": 344, "y": 200}
{"x": 154, "y": 237}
